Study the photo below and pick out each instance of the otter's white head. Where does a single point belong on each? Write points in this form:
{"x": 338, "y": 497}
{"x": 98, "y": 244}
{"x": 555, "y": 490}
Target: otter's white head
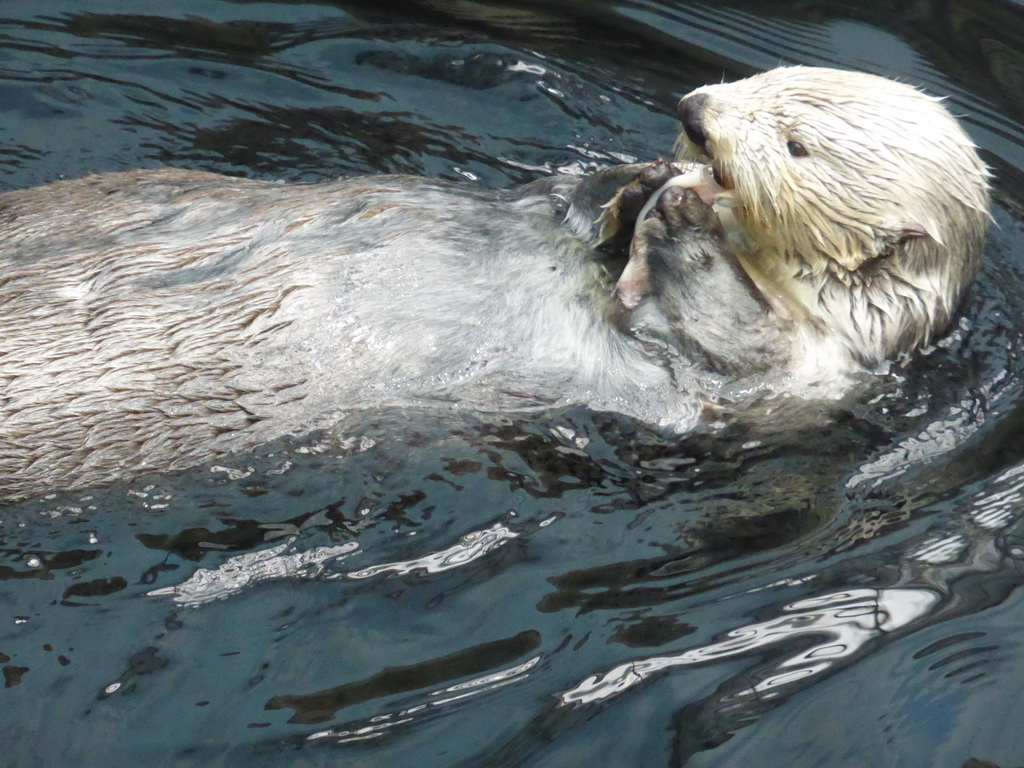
{"x": 863, "y": 202}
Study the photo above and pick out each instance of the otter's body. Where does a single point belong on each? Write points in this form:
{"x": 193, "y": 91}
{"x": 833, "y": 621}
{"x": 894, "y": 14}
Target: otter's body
{"x": 151, "y": 320}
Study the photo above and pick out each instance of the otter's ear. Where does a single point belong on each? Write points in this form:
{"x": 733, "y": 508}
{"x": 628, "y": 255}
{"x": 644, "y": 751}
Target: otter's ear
{"x": 911, "y": 231}
{"x": 913, "y": 228}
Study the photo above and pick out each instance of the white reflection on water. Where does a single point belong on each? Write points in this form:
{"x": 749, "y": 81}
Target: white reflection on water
{"x": 469, "y": 548}
{"x": 250, "y": 568}
{"x": 845, "y": 622}
{"x": 940, "y": 550}
{"x": 848, "y": 620}
{"x": 993, "y": 511}
{"x": 379, "y": 724}
{"x": 940, "y": 437}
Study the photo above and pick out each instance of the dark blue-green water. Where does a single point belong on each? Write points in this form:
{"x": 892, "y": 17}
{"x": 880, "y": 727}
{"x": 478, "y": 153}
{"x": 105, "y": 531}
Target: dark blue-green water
{"x": 559, "y": 590}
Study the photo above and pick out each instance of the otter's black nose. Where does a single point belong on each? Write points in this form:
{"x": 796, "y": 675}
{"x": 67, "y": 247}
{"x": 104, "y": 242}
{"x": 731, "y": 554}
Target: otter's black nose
{"x": 691, "y": 113}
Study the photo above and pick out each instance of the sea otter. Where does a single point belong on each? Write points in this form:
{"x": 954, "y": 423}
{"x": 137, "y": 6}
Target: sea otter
{"x": 155, "y": 319}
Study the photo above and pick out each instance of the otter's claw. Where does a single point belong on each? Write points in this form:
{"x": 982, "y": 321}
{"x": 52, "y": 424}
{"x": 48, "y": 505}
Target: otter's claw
{"x": 619, "y": 215}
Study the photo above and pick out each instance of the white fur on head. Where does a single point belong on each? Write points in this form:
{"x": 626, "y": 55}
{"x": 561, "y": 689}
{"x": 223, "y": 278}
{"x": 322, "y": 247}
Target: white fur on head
{"x": 863, "y": 199}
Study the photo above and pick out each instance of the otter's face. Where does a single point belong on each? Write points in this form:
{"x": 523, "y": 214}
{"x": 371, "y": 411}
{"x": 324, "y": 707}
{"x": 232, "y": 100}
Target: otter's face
{"x": 833, "y": 168}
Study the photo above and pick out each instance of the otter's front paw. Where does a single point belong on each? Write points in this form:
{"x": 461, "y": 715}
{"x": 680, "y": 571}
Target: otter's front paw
{"x": 679, "y": 213}
{"x": 679, "y": 229}
{"x": 619, "y": 215}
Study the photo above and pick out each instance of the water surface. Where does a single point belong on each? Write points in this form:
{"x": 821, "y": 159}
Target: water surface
{"x": 563, "y": 589}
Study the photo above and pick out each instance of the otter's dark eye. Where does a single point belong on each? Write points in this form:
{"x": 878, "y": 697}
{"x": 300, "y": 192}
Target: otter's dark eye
{"x": 796, "y": 149}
